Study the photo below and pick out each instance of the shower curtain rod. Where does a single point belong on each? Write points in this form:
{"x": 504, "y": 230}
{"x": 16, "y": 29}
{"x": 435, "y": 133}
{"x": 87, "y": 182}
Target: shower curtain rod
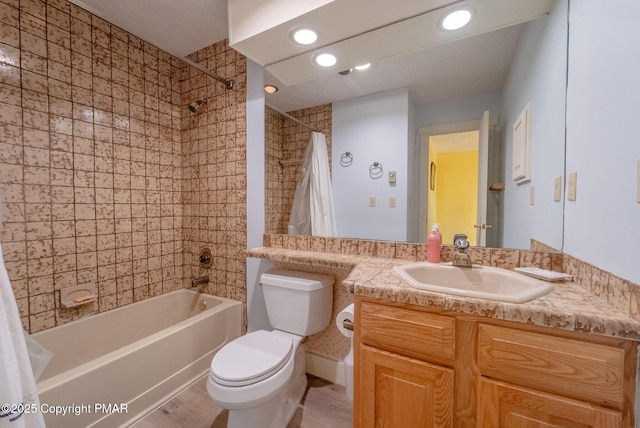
{"x": 292, "y": 118}
{"x": 227, "y": 83}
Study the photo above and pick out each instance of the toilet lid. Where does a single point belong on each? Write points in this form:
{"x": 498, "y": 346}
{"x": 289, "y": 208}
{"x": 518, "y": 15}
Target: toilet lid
{"x": 251, "y": 358}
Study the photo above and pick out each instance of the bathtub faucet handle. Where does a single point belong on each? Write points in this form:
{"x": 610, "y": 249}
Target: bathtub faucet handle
{"x": 205, "y": 258}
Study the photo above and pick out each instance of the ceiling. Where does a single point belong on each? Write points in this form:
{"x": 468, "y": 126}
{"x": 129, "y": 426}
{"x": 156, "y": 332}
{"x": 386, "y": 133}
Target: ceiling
{"x": 459, "y": 68}
{"x": 178, "y": 27}
{"x": 456, "y": 142}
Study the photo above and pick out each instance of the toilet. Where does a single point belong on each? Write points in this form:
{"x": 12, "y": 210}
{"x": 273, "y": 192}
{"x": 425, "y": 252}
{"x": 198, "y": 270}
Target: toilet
{"x": 260, "y": 377}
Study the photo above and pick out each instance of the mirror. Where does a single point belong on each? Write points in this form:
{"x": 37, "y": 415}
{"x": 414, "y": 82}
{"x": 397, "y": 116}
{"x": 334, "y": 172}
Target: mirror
{"x": 501, "y": 71}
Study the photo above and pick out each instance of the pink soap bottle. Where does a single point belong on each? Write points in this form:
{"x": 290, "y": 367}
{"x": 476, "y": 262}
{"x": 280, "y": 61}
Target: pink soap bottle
{"x": 434, "y": 242}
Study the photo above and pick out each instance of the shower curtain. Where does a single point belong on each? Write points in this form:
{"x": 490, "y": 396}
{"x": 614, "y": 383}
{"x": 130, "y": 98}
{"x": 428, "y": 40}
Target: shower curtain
{"x": 312, "y": 212}
{"x": 19, "y": 402}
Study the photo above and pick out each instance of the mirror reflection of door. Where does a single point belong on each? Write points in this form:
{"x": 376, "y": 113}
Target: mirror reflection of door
{"x": 454, "y": 180}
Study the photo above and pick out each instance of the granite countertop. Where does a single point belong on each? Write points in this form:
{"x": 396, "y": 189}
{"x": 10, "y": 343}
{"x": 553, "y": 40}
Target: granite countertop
{"x": 568, "y": 306}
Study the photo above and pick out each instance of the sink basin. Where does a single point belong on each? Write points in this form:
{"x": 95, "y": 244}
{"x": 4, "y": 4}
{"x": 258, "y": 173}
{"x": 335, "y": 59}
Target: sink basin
{"x": 483, "y": 282}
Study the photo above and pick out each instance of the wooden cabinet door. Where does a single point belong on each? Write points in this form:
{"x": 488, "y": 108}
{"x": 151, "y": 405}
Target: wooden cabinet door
{"x": 398, "y": 391}
{"x": 501, "y": 405}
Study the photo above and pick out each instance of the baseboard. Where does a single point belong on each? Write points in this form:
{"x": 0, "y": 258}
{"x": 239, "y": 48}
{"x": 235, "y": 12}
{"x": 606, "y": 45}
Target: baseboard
{"x": 325, "y": 368}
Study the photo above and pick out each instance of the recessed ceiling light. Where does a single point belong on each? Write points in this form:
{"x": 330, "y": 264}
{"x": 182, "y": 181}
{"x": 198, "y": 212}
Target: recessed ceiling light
{"x": 456, "y": 19}
{"x": 325, "y": 60}
{"x": 363, "y": 66}
{"x": 270, "y": 89}
{"x": 304, "y": 36}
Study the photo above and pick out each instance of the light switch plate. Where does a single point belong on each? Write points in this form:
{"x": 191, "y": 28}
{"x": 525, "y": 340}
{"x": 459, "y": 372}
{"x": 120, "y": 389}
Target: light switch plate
{"x": 392, "y": 201}
{"x": 532, "y": 195}
{"x": 572, "y": 183}
{"x": 557, "y": 189}
{"x": 372, "y": 201}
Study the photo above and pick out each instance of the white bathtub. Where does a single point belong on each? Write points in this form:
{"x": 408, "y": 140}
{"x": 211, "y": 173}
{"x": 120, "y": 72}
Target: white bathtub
{"x": 112, "y": 368}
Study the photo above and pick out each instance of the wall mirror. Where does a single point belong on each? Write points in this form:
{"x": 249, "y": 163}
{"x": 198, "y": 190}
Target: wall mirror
{"x": 500, "y": 71}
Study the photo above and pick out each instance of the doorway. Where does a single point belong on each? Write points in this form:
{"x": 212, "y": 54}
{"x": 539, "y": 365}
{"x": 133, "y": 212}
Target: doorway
{"x": 453, "y": 184}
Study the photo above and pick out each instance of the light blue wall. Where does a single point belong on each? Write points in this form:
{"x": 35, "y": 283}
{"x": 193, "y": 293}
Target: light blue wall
{"x": 374, "y": 129}
{"x": 459, "y": 110}
{"x": 603, "y": 145}
{"x": 537, "y": 75}
{"x": 256, "y": 309}
{"x": 413, "y": 176}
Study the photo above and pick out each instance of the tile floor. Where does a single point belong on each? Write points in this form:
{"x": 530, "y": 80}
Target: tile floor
{"x": 324, "y": 405}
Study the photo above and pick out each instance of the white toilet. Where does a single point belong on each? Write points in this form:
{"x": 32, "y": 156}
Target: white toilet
{"x": 260, "y": 377}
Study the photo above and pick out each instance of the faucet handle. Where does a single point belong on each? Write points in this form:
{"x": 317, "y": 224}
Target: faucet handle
{"x": 205, "y": 258}
{"x": 460, "y": 241}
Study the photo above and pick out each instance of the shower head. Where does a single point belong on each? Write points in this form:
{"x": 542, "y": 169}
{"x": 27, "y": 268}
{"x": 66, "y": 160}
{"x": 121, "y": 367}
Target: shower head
{"x": 194, "y": 106}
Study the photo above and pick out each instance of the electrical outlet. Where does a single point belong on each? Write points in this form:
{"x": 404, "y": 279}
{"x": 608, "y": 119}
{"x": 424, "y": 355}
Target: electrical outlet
{"x": 392, "y": 202}
{"x": 372, "y": 201}
{"x": 557, "y": 189}
{"x": 572, "y": 184}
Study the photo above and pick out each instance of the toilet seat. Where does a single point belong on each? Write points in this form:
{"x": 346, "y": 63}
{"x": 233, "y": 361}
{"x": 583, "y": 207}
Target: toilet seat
{"x": 251, "y": 358}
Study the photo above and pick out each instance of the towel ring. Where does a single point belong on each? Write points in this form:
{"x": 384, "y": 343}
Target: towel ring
{"x": 346, "y": 159}
{"x": 375, "y": 170}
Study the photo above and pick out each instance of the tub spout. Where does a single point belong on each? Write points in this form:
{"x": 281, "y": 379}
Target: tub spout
{"x": 196, "y": 282}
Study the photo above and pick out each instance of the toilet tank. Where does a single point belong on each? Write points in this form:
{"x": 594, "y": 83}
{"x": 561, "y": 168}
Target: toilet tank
{"x": 298, "y": 302}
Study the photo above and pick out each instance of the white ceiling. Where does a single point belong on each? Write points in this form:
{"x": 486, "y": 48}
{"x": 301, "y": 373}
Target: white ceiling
{"x": 456, "y": 69}
{"x": 456, "y": 142}
{"x": 459, "y": 69}
{"x": 178, "y": 27}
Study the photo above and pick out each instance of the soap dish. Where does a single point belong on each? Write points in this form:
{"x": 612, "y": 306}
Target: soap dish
{"x": 78, "y": 295}
{"x": 544, "y": 274}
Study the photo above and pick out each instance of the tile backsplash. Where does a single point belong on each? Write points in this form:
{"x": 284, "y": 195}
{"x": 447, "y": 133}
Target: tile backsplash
{"x": 621, "y": 294}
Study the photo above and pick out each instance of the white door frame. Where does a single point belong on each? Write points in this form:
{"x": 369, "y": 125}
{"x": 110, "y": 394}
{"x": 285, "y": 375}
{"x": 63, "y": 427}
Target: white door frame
{"x": 483, "y": 178}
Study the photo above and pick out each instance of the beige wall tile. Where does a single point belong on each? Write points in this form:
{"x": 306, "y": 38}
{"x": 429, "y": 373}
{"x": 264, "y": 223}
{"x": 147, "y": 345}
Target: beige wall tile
{"x": 66, "y": 158}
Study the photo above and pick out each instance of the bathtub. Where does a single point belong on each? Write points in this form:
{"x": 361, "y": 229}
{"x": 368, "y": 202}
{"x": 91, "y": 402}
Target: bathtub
{"x": 112, "y": 368}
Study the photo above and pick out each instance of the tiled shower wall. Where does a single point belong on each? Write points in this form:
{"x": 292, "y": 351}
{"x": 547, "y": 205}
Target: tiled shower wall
{"x": 276, "y": 217}
{"x": 286, "y": 142}
{"x": 215, "y": 171}
{"x": 93, "y": 128}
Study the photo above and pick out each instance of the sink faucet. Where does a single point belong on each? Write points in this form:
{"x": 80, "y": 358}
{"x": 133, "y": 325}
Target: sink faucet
{"x": 195, "y": 282}
{"x": 461, "y": 258}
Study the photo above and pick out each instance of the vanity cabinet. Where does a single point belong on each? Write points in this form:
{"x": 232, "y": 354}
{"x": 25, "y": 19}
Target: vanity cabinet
{"x": 404, "y": 392}
{"x": 503, "y": 405}
{"x": 399, "y": 385}
{"x": 418, "y": 368}
{"x": 530, "y": 379}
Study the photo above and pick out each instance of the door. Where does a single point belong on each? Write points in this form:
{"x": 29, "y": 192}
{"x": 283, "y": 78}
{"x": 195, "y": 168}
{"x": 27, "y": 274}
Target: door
{"x": 501, "y": 405}
{"x": 477, "y": 227}
{"x": 398, "y": 391}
